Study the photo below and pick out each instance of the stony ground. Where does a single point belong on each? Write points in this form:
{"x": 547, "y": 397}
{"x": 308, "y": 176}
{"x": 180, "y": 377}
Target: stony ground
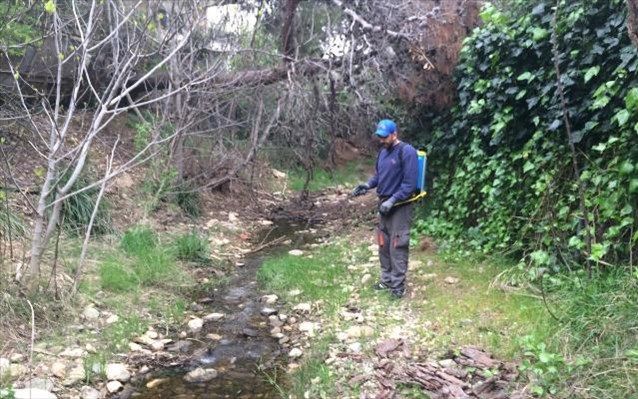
{"x": 376, "y": 347}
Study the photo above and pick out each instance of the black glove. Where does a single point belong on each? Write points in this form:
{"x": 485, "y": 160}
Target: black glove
{"x": 360, "y": 190}
{"x": 386, "y": 205}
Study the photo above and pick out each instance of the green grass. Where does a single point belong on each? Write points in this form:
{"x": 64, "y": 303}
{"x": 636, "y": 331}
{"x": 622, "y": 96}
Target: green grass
{"x": 598, "y": 338}
{"x": 473, "y": 313}
{"x": 353, "y": 173}
{"x": 139, "y": 240}
{"x": 191, "y": 247}
{"x": 319, "y": 277}
{"x": 116, "y": 277}
{"x": 314, "y": 376}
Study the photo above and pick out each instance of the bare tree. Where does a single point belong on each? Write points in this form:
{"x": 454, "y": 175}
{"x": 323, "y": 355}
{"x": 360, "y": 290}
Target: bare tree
{"x": 105, "y": 31}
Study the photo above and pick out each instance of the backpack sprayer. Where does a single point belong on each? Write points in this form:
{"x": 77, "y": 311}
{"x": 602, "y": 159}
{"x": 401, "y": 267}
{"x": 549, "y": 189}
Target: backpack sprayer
{"x": 421, "y": 186}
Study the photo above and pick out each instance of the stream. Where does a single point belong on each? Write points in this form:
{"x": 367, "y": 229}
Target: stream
{"x": 247, "y": 358}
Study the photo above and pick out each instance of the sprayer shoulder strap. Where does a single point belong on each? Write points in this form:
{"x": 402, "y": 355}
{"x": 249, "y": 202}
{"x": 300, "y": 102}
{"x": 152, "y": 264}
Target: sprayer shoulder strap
{"x": 399, "y": 148}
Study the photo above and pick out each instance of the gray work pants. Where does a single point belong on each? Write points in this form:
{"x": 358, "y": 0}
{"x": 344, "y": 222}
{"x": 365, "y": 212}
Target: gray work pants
{"x": 393, "y": 237}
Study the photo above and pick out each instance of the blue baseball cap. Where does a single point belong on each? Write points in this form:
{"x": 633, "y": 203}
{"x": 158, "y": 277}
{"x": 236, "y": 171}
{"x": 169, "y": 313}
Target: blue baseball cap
{"x": 386, "y": 127}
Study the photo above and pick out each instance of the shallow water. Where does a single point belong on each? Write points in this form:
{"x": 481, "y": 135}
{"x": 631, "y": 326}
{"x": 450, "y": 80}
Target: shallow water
{"x": 248, "y": 360}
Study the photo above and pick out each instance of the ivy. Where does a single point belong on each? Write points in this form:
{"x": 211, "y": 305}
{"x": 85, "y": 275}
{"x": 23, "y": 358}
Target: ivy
{"x": 504, "y": 172}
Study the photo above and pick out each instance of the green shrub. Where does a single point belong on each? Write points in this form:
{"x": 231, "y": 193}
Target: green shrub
{"x": 139, "y": 240}
{"x": 505, "y": 177}
{"x": 191, "y": 247}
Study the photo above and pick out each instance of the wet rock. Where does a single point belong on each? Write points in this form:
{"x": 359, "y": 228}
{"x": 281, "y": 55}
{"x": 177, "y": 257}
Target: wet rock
{"x": 200, "y": 375}
{"x": 214, "y": 337}
{"x": 90, "y": 313}
{"x": 113, "y": 386}
{"x": 269, "y": 299}
{"x": 156, "y": 382}
{"x": 89, "y": 393}
{"x": 249, "y": 332}
{"x": 295, "y": 252}
{"x": 180, "y": 346}
{"x": 451, "y": 280}
{"x": 33, "y": 393}
{"x": 214, "y": 316}
{"x": 117, "y": 371}
{"x": 295, "y": 353}
{"x": 195, "y": 325}
{"x": 268, "y": 311}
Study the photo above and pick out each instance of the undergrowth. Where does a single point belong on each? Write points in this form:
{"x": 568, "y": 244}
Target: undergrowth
{"x": 349, "y": 175}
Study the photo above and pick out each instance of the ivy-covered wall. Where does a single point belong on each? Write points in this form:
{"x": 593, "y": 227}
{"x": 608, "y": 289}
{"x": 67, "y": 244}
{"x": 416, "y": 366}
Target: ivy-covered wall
{"x": 504, "y": 176}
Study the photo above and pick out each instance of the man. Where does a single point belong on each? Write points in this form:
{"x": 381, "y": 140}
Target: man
{"x": 395, "y": 179}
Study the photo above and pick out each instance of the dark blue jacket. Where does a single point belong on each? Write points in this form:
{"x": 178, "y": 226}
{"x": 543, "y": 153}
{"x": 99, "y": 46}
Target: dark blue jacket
{"x": 393, "y": 179}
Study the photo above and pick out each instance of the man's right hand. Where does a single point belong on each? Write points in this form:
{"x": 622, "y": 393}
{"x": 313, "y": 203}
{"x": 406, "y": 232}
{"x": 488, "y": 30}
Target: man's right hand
{"x": 360, "y": 190}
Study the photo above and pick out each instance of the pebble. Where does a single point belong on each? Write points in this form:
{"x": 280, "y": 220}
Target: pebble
{"x": 214, "y": 316}
{"x": 200, "y": 375}
{"x": 268, "y": 311}
{"x": 195, "y": 325}
{"x": 89, "y": 393}
{"x": 295, "y": 353}
{"x": 117, "y": 371}
{"x": 295, "y": 252}
{"x": 113, "y": 386}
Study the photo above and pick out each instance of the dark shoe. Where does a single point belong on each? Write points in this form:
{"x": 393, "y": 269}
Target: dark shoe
{"x": 397, "y": 294}
{"x": 379, "y": 286}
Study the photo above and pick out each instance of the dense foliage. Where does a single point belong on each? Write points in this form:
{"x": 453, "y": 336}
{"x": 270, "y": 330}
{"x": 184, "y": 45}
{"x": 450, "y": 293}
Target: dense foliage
{"x": 504, "y": 173}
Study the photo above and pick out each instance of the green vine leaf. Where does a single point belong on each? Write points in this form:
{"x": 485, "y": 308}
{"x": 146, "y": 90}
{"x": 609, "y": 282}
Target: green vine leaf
{"x": 622, "y": 117}
{"x": 591, "y": 72}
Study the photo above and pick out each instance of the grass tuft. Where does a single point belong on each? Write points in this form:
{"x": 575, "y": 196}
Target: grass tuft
{"x": 117, "y": 278}
{"x": 139, "y": 240}
{"x": 191, "y": 247}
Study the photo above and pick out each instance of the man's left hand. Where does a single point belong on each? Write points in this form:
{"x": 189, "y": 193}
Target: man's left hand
{"x": 385, "y": 207}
